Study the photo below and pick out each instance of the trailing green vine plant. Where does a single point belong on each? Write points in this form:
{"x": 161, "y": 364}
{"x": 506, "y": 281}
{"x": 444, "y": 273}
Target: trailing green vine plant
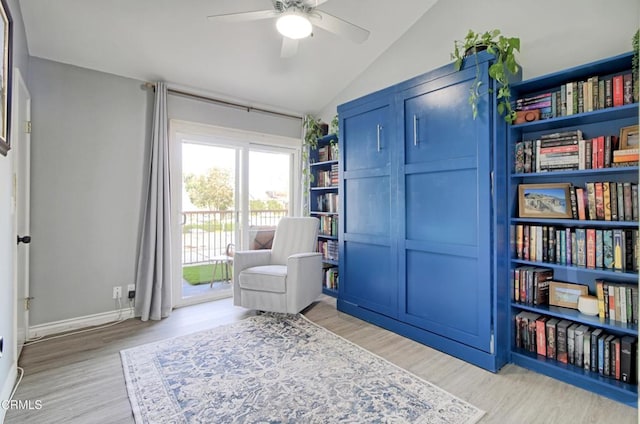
{"x": 505, "y": 65}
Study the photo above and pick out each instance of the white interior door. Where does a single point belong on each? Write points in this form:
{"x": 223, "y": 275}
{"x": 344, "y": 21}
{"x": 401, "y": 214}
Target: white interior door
{"x": 21, "y": 145}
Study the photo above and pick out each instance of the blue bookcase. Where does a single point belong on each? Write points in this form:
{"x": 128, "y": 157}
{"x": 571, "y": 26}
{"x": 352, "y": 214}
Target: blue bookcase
{"x": 423, "y": 231}
{"x": 594, "y": 123}
{"x": 323, "y": 202}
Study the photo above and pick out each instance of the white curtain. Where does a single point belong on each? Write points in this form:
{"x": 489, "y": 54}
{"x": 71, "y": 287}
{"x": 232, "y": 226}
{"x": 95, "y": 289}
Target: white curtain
{"x": 153, "y": 279}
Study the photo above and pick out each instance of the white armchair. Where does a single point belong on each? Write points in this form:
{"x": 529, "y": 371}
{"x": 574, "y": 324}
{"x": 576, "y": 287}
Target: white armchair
{"x": 286, "y": 278}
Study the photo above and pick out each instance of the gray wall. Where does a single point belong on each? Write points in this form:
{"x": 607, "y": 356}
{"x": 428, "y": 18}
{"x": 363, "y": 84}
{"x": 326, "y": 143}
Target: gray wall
{"x": 554, "y": 35}
{"x": 89, "y": 160}
{"x": 88, "y": 157}
{"x": 7, "y": 241}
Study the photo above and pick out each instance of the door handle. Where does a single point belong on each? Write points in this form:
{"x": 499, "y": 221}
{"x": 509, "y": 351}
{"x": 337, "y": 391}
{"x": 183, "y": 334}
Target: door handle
{"x": 415, "y": 130}
{"x": 24, "y": 239}
{"x": 379, "y": 129}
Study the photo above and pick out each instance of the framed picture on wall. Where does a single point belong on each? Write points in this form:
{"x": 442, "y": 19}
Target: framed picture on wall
{"x": 6, "y": 39}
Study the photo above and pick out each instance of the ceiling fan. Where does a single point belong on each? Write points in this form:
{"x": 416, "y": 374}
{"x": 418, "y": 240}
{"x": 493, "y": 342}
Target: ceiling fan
{"x": 295, "y": 20}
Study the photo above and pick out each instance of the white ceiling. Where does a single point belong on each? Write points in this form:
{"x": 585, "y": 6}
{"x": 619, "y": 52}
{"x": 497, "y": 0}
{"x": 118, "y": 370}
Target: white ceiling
{"x": 172, "y": 40}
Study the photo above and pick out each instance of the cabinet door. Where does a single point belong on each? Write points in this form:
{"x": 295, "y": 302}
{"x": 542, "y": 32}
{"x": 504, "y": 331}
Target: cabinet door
{"x": 446, "y": 239}
{"x": 368, "y": 259}
{"x": 369, "y": 133}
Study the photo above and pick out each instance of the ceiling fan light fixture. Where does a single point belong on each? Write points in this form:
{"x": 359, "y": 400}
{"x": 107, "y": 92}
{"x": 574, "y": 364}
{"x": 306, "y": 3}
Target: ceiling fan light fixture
{"x": 293, "y": 24}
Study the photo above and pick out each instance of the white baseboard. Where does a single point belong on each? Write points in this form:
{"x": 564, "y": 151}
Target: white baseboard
{"x": 62, "y": 326}
{"x": 7, "y": 388}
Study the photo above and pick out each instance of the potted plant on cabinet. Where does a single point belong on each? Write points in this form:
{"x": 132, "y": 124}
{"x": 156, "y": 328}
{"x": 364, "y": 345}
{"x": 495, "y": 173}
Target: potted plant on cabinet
{"x": 505, "y": 66}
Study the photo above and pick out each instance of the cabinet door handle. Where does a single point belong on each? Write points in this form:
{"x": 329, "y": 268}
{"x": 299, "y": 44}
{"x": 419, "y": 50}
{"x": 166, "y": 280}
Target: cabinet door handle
{"x": 379, "y": 130}
{"x": 415, "y": 130}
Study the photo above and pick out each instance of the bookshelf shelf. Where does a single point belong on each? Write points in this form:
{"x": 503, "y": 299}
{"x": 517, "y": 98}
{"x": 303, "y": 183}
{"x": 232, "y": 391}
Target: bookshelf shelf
{"x": 323, "y": 198}
{"x": 605, "y": 273}
{"x": 601, "y": 122}
{"x": 575, "y": 315}
{"x": 588, "y": 380}
{"x": 583, "y": 172}
{"x": 578, "y": 222}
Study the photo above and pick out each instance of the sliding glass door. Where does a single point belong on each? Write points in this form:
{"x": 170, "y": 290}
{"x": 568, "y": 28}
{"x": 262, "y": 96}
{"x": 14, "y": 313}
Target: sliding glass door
{"x": 232, "y": 193}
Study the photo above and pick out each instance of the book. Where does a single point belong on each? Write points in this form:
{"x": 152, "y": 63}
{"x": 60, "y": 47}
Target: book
{"x": 606, "y": 363}
{"x": 607, "y": 249}
{"x": 599, "y": 199}
{"x": 628, "y": 355}
{"x": 606, "y": 199}
{"x": 591, "y": 247}
{"x": 579, "y": 331}
{"x": 619, "y": 192}
{"x": 591, "y": 200}
{"x": 618, "y": 252}
{"x": 541, "y": 337}
{"x": 599, "y": 249}
{"x": 582, "y": 214}
{"x": 600, "y": 296}
{"x": 587, "y": 350}
{"x": 618, "y": 90}
{"x": 614, "y": 355}
{"x": 627, "y": 88}
{"x": 561, "y": 341}
{"x": 595, "y": 336}
{"x": 551, "y": 337}
{"x": 571, "y": 345}
{"x": 613, "y": 200}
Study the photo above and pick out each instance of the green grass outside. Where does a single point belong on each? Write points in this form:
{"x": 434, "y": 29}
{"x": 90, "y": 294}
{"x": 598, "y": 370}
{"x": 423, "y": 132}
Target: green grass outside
{"x": 201, "y": 274}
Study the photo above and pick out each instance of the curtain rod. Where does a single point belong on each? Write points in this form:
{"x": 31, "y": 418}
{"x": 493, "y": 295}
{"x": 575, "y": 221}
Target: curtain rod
{"x": 224, "y": 102}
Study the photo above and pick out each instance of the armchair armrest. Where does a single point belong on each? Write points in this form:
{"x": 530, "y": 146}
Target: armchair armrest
{"x": 304, "y": 277}
{"x": 248, "y": 258}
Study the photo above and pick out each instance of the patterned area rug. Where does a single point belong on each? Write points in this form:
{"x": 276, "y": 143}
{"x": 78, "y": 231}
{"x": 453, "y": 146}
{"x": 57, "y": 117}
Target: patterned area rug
{"x": 277, "y": 368}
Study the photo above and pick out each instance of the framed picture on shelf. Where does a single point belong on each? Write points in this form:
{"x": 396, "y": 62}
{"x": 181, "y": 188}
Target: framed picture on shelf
{"x": 566, "y": 294}
{"x": 544, "y": 200}
{"x": 629, "y": 138}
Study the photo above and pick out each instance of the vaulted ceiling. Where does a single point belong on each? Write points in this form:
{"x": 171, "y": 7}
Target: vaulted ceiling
{"x": 172, "y": 40}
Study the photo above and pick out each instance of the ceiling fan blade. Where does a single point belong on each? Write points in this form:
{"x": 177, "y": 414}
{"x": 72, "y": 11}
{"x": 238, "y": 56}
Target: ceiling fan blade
{"x": 338, "y": 26}
{"x": 289, "y": 47}
{"x": 243, "y": 16}
{"x": 313, "y": 3}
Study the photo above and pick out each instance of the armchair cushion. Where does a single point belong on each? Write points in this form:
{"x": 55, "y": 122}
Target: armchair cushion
{"x": 269, "y": 278}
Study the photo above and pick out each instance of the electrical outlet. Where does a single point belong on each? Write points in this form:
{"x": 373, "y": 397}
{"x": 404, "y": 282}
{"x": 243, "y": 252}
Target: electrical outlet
{"x": 131, "y": 291}
{"x": 117, "y": 292}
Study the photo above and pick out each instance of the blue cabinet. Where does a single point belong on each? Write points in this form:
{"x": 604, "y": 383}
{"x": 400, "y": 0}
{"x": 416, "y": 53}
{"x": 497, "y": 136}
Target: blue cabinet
{"x": 366, "y": 239}
{"x": 424, "y": 236}
{"x": 445, "y": 233}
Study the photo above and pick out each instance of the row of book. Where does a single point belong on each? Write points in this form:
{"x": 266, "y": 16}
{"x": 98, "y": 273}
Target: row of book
{"x": 609, "y": 249}
{"x": 592, "y": 349}
{"x": 327, "y": 202}
{"x": 331, "y": 278}
{"x": 575, "y": 97}
{"x": 329, "y": 225}
{"x": 605, "y": 201}
{"x": 570, "y": 151}
{"x": 329, "y": 249}
{"x": 531, "y": 285}
{"x": 617, "y": 301}
{"x": 328, "y": 152}
{"x": 328, "y": 178}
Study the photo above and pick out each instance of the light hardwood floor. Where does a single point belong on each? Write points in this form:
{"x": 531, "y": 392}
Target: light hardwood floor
{"x": 79, "y": 378}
